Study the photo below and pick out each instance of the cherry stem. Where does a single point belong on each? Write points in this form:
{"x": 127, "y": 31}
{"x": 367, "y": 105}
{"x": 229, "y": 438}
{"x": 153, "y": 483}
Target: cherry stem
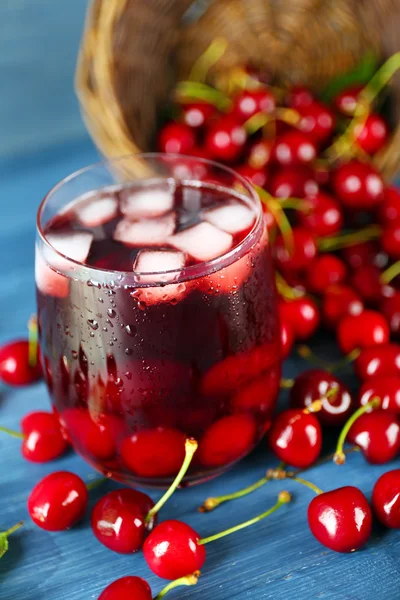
{"x": 306, "y": 353}
{"x": 339, "y": 457}
{"x": 336, "y": 242}
{"x": 283, "y": 498}
{"x": 33, "y": 341}
{"x": 284, "y": 288}
{"x": 391, "y": 272}
{"x": 190, "y": 448}
{"x": 208, "y": 59}
{"x": 95, "y": 483}
{"x": 12, "y": 432}
{"x": 306, "y": 483}
{"x": 12, "y": 529}
{"x": 316, "y": 405}
{"x": 187, "y": 580}
{"x": 187, "y": 91}
{"x": 286, "y": 384}
{"x": 275, "y": 208}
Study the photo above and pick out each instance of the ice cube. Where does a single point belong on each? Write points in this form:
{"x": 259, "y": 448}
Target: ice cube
{"x": 48, "y": 281}
{"x": 145, "y": 203}
{"x": 232, "y": 217}
{"x": 203, "y": 241}
{"x": 98, "y": 211}
{"x": 73, "y": 244}
{"x": 156, "y": 261}
{"x": 146, "y": 232}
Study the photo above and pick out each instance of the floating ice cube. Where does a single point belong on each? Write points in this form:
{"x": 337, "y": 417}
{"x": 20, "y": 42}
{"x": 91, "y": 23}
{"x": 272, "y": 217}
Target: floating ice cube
{"x": 145, "y": 203}
{"x": 203, "y": 241}
{"x": 232, "y": 217}
{"x": 73, "y": 244}
{"x": 156, "y": 261}
{"x": 48, "y": 281}
{"x": 146, "y": 232}
{"x": 97, "y": 211}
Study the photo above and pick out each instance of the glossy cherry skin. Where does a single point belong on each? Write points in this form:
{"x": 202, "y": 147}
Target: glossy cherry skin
{"x": 339, "y": 301}
{"x": 58, "y": 501}
{"x": 325, "y": 270}
{"x": 358, "y": 185}
{"x": 176, "y": 138}
{"x": 378, "y": 435}
{"x": 341, "y": 519}
{"x": 302, "y": 253}
{"x": 317, "y": 120}
{"x": 366, "y": 280}
{"x": 118, "y": 520}
{"x": 371, "y": 135}
{"x": 297, "y": 182}
{"x": 299, "y": 96}
{"x": 378, "y": 361}
{"x": 296, "y": 438}
{"x": 250, "y": 102}
{"x": 390, "y": 308}
{"x": 171, "y": 550}
{"x": 256, "y": 176}
{"x": 389, "y": 210}
{"x": 98, "y": 437}
{"x": 14, "y": 364}
{"x": 390, "y": 240}
{"x": 44, "y": 439}
{"x": 225, "y": 139}
{"x": 259, "y": 154}
{"x": 197, "y": 114}
{"x": 294, "y": 148}
{"x": 313, "y": 385}
{"x": 302, "y": 315}
{"x": 387, "y": 389}
{"x": 287, "y": 338}
{"x": 346, "y": 101}
{"x": 386, "y": 499}
{"x": 364, "y": 254}
{"x": 227, "y": 439}
{"x": 324, "y": 217}
{"x": 367, "y": 329}
{"x": 145, "y": 452}
{"x": 127, "y": 588}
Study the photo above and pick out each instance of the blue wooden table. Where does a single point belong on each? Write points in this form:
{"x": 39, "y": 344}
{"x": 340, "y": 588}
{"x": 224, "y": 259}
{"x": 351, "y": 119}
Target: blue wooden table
{"x": 276, "y": 559}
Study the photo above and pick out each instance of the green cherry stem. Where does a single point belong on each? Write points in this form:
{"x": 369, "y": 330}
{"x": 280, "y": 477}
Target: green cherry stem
{"x": 4, "y": 537}
{"x": 283, "y": 498}
{"x": 96, "y": 483}
{"x": 208, "y": 59}
{"x": 15, "y": 434}
{"x": 14, "y": 528}
{"x": 391, "y": 272}
{"x": 190, "y": 448}
{"x": 344, "y": 240}
{"x": 308, "y": 484}
{"x": 187, "y": 580}
{"x": 306, "y": 353}
{"x": 189, "y": 91}
{"x": 339, "y": 457}
{"x": 286, "y": 384}
{"x": 33, "y": 341}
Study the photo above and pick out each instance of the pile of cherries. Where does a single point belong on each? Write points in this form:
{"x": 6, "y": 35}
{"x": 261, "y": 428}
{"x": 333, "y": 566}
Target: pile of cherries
{"x": 335, "y": 231}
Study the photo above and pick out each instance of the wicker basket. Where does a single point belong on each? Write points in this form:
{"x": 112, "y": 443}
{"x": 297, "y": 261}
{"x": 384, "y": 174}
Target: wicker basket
{"x": 133, "y": 52}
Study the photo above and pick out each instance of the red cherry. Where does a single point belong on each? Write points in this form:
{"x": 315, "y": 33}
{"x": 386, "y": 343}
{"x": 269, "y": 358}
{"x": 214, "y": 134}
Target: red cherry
{"x": 389, "y": 210}
{"x": 325, "y": 270}
{"x": 346, "y": 101}
{"x": 118, "y": 520}
{"x": 387, "y": 389}
{"x": 386, "y": 499}
{"x": 366, "y": 280}
{"x": 297, "y": 182}
{"x": 250, "y": 102}
{"x": 127, "y": 588}
{"x": 317, "y": 120}
{"x": 390, "y": 308}
{"x": 260, "y": 153}
{"x": 287, "y": 338}
{"x": 145, "y": 452}
{"x": 372, "y": 134}
{"x": 225, "y": 139}
{"x": 324, "y": 217}
{"x": 358, "y": 185}
{"x": 96, "y": 437}
{"x": 390, "y": 240}
{"x": 260, "y": 394}
{"x": 44, "y": 439}
{"x": 256, "y": 176}
{"x": 294, "y": 148}
{"x": 14, "y": 364}
{"x": 176, "y": 138}
{"x": 299, "y": 96}
{"x": 338, "y": 302}
{"x": 378, "y": 361}
{"x": 314, "y": 385}
{"x": 341, "y": 519}
{"x": 197, "y": 114}
{"x": 364, "y": 254}
{"x": 302, "y": 253}
{"x": 296, "y": 438}
{"x": 227, "y": 440}
{"x": 378, "y": 435}
{"x": 171, "y": 550}
{"x": 367, "y": 329}
{"x": 302, "y": 314}
{"x": 58, "y": 501}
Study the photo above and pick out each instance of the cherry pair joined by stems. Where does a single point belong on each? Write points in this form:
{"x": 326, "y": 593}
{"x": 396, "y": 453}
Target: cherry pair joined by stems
{"x": 20, "y": 361}
{"x": 136, "y": 588}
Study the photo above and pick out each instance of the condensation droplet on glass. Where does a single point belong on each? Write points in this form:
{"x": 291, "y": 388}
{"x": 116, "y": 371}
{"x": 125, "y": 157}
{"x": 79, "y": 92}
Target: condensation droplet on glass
{"x": 93, "y": 283}
{"x": 111, "y": 343}
{"x": 128, "y": 375}
{"x": 93, "y": 324}
{"x": 105, "y": 329}
{"x": 131, "y": 330}
{"x": 91, "y": 334}
{"x": 128, "y": 351}
{"x": 142, "y": 305}
{"x": 101, "y": 300}
{"x": 74, "y": 354}
{"x": 111, "y": 313}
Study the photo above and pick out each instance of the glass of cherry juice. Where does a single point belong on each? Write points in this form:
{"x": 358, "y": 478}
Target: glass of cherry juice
{"x": 157, "y": 315}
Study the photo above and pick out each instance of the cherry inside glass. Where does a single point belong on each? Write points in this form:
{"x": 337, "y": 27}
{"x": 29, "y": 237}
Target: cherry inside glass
{"x": 157, "y": 316}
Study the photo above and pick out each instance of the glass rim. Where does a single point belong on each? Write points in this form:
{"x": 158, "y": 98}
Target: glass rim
{"x": 190, "y": 272}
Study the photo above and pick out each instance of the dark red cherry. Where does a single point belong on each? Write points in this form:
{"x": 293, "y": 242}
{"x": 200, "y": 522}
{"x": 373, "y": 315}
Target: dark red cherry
{"x": 386, "y": 499}
{"x": 339, "y": 301}
{"x": 14, "y": 364}
{"x": 324, "y": 217}
{"x": 389, "y": 210}
{"x": 296, "y": 182}
{"x": 171, "y": 550}
{"x": 386, "y": 388}
{"x": 258, "y": 395}
{"x": 364, "y": 254}
{"x": 197, "y": 114}
{"x": 390, "y": 240}
{"x": 378, "y": 435}
{"x": 259, "y": 154}
{"x": 378, "y": 361}
{"x": 302, "y": 253}
{"x": 256, "y": 176}
{"x": 299, "y": 96}
{"x": 366, "y": 280}
{"x": 390, "y": 308}
{"x": 176, "y": 138}
{"x": 58, "y": 501}
{"x": 97, "y": 436}
{"x": 325, "y": 270}
{"x": 367, "y": 329}
{"x": 302, "y": 314}
{"x": 250, "y": 102}
{"x": 358, "y": 185}
{"x": 317, "y": 120}
{"x": 127, "y": 588}
{"x": 346, "y": 101}
{"x": 44, "y": 438}
{"x": 287, "y": 338}
{"x": 341, "y": 519}
{"x": 295, "y": 438}
{"x": 314, "y": 385}
{"x": 118, "y": 520}
{"x": 294, "y": 148}
{"x": 228, "y": 439}
{"x": 372, "y": 134}
{"x": 225, "y": 139}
